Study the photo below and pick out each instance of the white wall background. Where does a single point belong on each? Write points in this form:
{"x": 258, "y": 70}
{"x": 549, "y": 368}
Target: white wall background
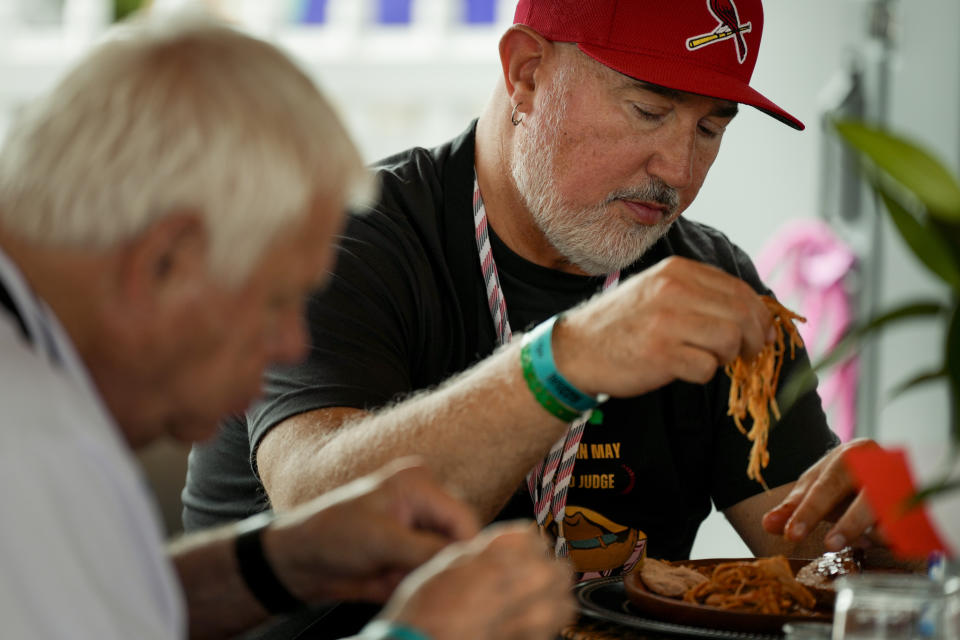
{"x": 398, "y": 87}
{"x": 767, "y": 174}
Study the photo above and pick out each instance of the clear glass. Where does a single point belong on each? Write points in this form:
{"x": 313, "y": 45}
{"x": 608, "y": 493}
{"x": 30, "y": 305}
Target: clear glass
{"x": 891, "y": 606}
{"x": 807, "y": 631}
{"x": 951, "y": 608}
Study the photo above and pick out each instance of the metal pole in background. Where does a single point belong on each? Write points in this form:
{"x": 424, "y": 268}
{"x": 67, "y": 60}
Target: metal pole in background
{"x": 877, "y": 53}
{"x": 860, "y": 91}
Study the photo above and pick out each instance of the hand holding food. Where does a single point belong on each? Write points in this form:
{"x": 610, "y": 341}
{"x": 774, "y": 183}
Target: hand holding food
{"x": 682, "y": 319}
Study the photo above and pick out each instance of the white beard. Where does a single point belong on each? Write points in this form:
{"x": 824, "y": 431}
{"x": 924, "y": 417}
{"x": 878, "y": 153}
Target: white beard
{"x": 593, "y": 238}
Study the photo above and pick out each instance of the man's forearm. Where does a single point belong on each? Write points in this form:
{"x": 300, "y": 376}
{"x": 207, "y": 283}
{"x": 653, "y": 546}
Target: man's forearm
{"x": 480, "y": 433}
{"x": 483, "y": 430}
{"x": 746, "y": 517}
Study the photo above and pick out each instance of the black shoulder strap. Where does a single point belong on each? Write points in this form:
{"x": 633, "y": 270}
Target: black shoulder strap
{"x": 6, "y": 302}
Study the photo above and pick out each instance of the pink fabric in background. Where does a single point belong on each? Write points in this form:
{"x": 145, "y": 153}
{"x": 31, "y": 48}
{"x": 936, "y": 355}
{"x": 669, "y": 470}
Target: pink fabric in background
{"x": 806, "y": 265}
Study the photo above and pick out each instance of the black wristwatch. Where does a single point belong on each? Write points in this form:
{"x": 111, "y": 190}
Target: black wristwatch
{"x": 257, "y": 573}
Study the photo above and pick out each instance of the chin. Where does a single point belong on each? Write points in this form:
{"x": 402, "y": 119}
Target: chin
{"x": 193, "y": 430}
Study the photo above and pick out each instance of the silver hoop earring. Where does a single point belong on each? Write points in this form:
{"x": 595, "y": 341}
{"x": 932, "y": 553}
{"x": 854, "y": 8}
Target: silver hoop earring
{"x": 513, "y": 115}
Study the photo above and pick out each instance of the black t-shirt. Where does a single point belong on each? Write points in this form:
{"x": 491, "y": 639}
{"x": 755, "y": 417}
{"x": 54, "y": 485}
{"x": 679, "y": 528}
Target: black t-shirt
{"x": 406, "y": 308}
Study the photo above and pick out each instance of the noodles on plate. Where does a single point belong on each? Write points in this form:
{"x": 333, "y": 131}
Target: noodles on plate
{"x": 766, "y": 585}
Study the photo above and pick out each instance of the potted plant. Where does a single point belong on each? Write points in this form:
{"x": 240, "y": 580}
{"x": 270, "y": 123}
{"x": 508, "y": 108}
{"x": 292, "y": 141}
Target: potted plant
{"x": 922, "y": 198}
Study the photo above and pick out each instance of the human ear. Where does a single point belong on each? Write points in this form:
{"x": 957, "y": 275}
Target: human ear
{"x": 166, "y": 261}
{"x": 522, "y": 51}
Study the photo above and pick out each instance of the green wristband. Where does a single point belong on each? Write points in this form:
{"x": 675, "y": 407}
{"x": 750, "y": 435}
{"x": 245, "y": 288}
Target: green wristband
{"x": 539, "y": 390}
{"x": 541, "y": 353}
{"x": 384, "y": 630}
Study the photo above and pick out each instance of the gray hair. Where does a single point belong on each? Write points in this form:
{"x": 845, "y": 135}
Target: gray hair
{"x": 176, "y": 112}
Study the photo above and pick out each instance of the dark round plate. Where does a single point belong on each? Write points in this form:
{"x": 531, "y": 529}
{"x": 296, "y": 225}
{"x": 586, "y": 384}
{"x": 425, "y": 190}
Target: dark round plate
{"x": 673, "y": 610}
{"x": 605, "y": 599}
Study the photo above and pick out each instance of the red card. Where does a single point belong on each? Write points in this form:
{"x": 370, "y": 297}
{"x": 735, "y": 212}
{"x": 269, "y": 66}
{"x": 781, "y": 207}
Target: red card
{"x": 884, "y": 476}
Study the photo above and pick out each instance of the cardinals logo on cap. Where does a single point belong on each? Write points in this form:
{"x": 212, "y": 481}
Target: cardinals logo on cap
{"x": 728, "y": 27}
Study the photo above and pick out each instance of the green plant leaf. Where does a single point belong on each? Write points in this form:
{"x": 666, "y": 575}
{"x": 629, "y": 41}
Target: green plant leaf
{"x": 917, "y": 380}
{"x": 944, "y": 481}
{"x": 926, "y": 242}
{"x": 908, "y": 164}
{"x": 933, "y": 490}
{"x": 857, "y": 333}
{"x": 952, "y": 365}
{"x": 123, "y": 8}
{"x": 805, "y": 380}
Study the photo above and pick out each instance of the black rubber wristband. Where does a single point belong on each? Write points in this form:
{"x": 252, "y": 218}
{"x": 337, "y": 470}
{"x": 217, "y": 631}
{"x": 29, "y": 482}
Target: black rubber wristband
{"x": 257, "y": 573}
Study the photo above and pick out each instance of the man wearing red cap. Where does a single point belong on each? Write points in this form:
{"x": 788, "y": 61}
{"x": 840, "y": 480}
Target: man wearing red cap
{"x": 559, "y": 209}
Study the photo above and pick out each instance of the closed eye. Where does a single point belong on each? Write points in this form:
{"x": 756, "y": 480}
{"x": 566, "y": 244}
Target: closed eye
{"x": 711, "y": 131}
{"x": 647, "y": 115}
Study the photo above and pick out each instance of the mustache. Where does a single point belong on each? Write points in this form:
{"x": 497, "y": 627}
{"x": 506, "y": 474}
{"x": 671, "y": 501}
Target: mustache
{"x": 654, "y": 191}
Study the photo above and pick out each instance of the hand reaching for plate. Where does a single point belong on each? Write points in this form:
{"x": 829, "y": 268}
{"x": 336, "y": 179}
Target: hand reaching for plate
{"x": 826, "y": 491}
{"x": 501, "y": 585}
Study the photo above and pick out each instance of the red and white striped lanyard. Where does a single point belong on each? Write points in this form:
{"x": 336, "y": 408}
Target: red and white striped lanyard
{"x": 549, "y": 480}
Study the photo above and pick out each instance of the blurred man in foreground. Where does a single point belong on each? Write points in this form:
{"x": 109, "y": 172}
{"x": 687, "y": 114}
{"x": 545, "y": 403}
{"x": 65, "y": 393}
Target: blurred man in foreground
{"x": 164, "y": 212}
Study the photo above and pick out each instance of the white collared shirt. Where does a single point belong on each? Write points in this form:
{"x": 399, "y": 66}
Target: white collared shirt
{"x": 81, "y": 545}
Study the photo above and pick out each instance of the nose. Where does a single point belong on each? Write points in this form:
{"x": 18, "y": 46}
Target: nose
{"x": 673, "y": 155}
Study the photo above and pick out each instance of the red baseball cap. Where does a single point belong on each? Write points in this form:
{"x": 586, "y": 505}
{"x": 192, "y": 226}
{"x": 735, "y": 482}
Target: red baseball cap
{"x": 707, "y": 47}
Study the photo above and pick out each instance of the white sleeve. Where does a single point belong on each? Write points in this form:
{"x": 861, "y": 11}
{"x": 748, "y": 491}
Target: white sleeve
{"x": 81, "y": 549}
